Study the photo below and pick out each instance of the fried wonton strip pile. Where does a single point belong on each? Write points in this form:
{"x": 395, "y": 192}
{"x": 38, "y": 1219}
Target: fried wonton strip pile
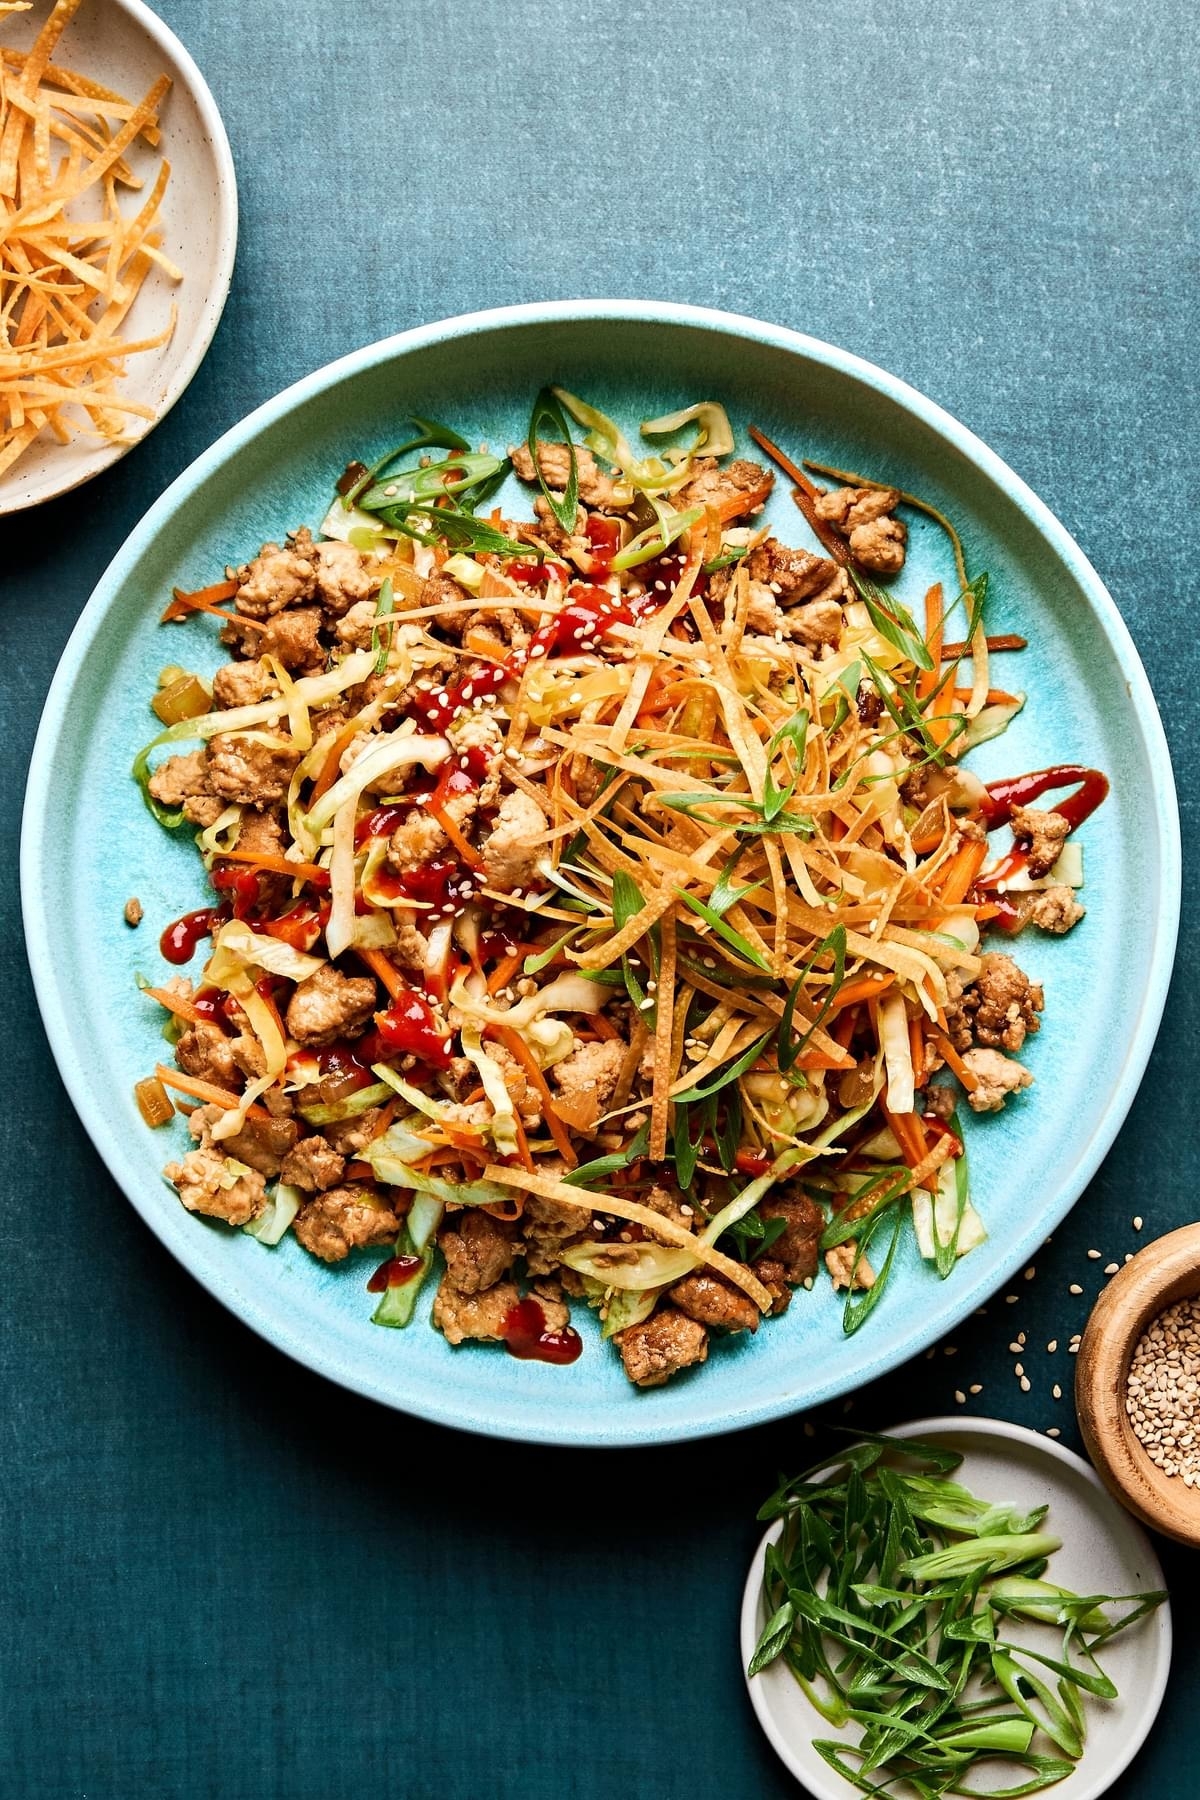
{"x": 72, "y": 260}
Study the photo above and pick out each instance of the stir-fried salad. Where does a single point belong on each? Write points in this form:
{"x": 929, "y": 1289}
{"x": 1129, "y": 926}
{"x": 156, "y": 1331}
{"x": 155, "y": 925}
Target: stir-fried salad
{"x": 599, "y": 895}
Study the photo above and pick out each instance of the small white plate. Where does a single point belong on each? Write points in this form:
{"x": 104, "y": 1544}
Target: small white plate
{"x": 1103, "y": 1551}
{"x": 124, "y": 46}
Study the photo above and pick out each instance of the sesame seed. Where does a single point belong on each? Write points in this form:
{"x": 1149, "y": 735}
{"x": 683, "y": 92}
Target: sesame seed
{"x": 960, "y": 1396}
{"x": 1015, "y": 1346}
{"x": 950, "y": 1350}
{"x": 1052, "y": 1346}
{"x": 1137, "y": 1222}
{"x": 1111, "y": 1268}
{"x": 1026, "y": 1384}
{"x": 1056, "y": 1391}
{"x": 809, "y": 1430}
{"x": 1021, "y": 1337}
{"x": 1053, "y": 1431}
{"x": 1094, "y": 1255}
{"x": 1075, "y": 1288}
{"x": 930, "y": 1353}
{"x": 1018, "y": 1369}
{"x": 1011, "y": 1299}
{"x": 1030, "y": 1272}
{"x": 1072, "y": 1349}
{"x": 1162, "y": 1397}
{"x": 976, "y": 1387}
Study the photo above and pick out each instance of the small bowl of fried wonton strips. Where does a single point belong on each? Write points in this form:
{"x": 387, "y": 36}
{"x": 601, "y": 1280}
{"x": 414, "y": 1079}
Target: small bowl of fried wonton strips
{"x": 118, "y": 225}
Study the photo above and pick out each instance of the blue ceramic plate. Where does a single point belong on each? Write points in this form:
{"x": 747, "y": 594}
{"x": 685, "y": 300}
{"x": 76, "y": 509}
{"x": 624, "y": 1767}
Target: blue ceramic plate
{"x": 89, "y": 843}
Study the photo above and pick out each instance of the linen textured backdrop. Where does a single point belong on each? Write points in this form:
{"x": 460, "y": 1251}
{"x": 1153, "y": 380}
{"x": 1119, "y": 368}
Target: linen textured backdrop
{"x": 221, "y": 1576}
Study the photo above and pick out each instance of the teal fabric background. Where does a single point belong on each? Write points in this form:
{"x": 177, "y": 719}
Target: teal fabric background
{"x": 221, "y": 1577}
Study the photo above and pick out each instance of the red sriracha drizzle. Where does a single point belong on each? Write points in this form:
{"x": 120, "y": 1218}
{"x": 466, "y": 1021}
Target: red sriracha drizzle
{"x": 178, "y": 942}
{"x": 604, "y": 539}
{"x": 408, "y": 1028}
{"x": 342, "y": 1071}
{"x": 589, "y": 612}
{"x": 395, "y": 1272}
{"x": 1019, "y": 790}
{"x": 524, "y": 1332}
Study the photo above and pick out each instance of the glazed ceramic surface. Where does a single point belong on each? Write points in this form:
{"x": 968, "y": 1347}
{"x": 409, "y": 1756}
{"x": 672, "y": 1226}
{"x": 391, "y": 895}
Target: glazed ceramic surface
{"x": 1103, "y": 1552}
{"x": 124, "y": 46}
{"x": 90, "y": 844}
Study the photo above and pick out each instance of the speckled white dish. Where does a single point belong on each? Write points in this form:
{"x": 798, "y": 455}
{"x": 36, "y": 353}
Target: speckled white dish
{"x": 123, "y": 45}
{"x": 1103, "y": 1551}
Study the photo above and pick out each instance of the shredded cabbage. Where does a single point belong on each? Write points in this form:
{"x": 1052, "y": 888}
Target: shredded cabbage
{"x": 282, "y": 1207}
{"x": 339, "y": 932}
{"x": 238, "y": 946}
{"x": 897, "y": 1054}
{"x": 715, "y": 435}
{"x": 503, "y": 1125}
{"x": 394, "y": 750}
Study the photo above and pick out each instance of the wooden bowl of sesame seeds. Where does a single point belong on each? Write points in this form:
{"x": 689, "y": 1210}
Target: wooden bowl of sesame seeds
{"x": 1137, "y": 1385}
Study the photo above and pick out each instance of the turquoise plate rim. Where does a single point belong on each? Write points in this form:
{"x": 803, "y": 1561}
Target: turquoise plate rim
{"x": 440, "y": 1404}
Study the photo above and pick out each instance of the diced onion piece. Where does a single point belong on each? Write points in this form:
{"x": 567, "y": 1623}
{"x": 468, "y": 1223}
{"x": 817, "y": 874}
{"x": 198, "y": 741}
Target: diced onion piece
{"x": 374, "y": 931}
{"x": 153, "y": 1102}
{"x": 184, "y": 698}
{"x": 466, "y": 571}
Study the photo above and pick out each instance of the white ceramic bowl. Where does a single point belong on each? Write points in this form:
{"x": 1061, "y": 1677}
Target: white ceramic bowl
{"x": 124, "y": 46}
{"x": 1103, "y": 1551}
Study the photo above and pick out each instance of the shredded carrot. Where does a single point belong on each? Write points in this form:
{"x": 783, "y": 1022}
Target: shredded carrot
{"x": 804, "y": 494}
{"x": 909, "y": 1133}
{"x": 384, "y": 969}
{"x": 268, "y": 1001}
{"x": 865, "y": 987}
{"x": 916, "y": 1045}
{"x": 740, "y": 503}
{"x": 824, "y": 1059}
{"x": 846, "y": 1026}
{"x": 504, "y": 971}
{"x": 523, "y": 1150}
{"x": 175, "y": 1003}
{"x": 507, "y": 1214}
{"x": 465, "y": 848}
{"x": 279, "y": 865}
{"x": 331, "y": 767}
{"x": 1008, "y": 640}
{"x": 515, "y": 1044}
{"x": 603, "y": 1026}
{"x": 208, "y": 1092}
{"x": 995, "y": 696}
{"x": 199, "y": 601}
{"x": 934, "y": 619}
{"x": 954, "y": 1061}
{"x": 960, "y": 870}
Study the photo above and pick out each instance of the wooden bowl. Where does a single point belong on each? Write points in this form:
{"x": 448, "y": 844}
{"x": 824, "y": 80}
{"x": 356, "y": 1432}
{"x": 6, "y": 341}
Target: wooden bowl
{"x": 1165, "y": 1271}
